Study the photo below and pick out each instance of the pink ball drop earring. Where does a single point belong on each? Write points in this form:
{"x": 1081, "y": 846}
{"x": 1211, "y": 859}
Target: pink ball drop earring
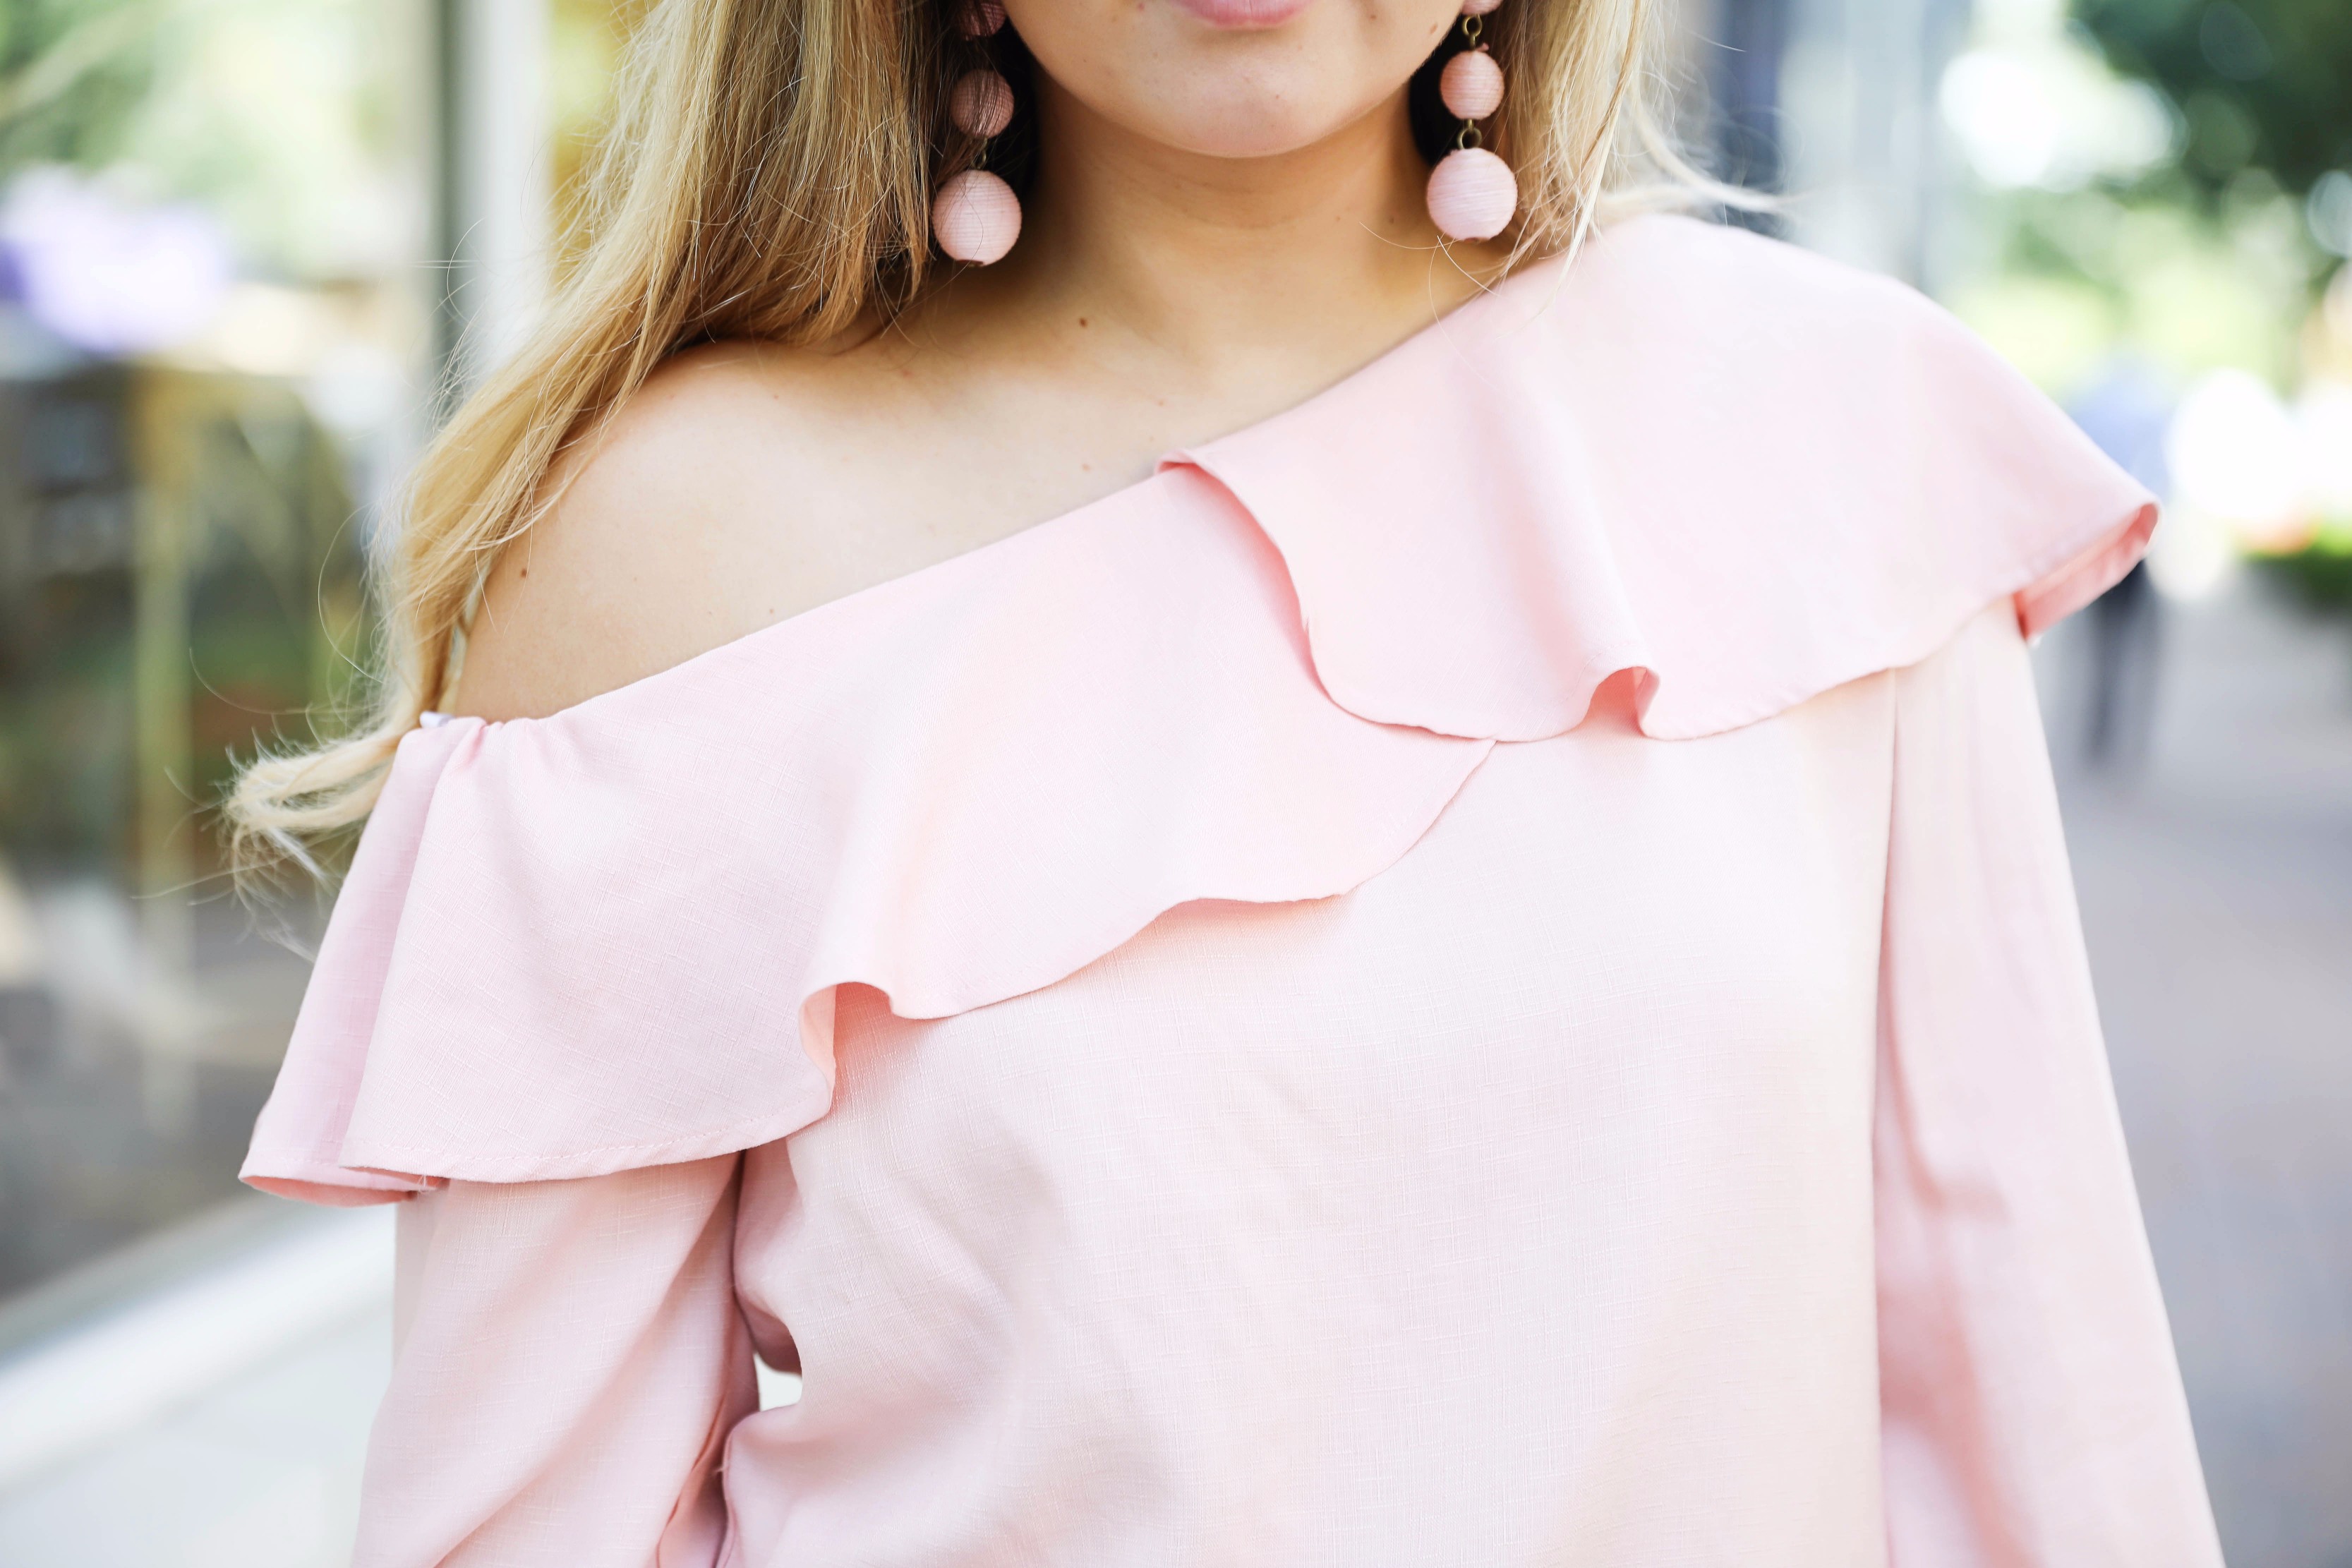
{"x": 976, "y": 218}
{"x": 1472, "y": 192}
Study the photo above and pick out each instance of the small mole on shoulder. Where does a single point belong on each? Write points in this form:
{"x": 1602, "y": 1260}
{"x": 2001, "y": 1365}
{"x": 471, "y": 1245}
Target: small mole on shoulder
{"x": 1082, "y": 321}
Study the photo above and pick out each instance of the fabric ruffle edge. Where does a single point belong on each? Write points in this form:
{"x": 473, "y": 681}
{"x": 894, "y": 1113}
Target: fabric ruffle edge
{"x": 613, "y": 938}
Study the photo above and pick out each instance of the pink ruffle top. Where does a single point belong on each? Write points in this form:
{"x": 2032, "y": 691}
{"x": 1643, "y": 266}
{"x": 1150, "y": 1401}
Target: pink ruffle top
{"x": 1481, "y": 972}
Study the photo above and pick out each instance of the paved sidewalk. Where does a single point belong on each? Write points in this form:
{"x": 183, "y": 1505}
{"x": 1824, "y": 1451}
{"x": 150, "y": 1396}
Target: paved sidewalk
{"x": 219, "y": 1418}
{"x": 262, "y": 1473}
{"x": 2217, "y": 896}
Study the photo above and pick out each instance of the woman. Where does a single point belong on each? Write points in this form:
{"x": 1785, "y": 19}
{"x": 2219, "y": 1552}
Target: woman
{"x": 1270, "y": 884}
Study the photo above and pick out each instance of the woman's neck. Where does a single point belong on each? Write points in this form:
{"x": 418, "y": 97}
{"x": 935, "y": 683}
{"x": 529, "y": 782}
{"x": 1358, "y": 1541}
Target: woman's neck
{"x": 1209, "y": 275}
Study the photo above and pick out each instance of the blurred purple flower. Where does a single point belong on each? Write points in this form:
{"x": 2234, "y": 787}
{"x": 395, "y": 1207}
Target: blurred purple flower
{"x": 109, "y": 276}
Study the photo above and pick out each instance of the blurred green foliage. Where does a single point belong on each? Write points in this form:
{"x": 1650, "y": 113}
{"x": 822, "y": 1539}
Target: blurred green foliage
{"x": 73, "y": 74}
{"x": 2318, "y": 576}
{"x": 2262, "y": 83}
{"x": 285, "y": 120}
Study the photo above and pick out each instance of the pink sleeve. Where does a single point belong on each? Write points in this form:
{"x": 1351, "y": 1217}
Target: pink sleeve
{"x": 569, "y": 1363}
{"x": 2033, "y": 1409}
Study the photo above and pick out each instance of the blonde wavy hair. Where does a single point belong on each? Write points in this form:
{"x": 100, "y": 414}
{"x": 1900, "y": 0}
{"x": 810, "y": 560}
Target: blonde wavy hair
{"x": 767, "y": 175}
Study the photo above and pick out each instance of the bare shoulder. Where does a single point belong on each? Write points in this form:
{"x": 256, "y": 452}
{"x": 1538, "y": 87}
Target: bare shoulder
{"x": 675, "y": 529}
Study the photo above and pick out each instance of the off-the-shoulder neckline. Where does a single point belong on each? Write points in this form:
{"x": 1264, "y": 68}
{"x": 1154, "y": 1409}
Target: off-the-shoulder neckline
{"x": 1520, "y": 279}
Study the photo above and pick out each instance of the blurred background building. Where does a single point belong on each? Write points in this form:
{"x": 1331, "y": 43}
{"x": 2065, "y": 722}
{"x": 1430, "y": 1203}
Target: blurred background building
{"x": 244, "y": 244}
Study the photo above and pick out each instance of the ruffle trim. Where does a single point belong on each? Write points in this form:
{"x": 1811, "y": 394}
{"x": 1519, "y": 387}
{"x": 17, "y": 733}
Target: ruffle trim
{"x": 613, "y": 938}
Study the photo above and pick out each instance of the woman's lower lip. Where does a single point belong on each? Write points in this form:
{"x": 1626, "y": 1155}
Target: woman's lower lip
{"x": 1246, "y": 14}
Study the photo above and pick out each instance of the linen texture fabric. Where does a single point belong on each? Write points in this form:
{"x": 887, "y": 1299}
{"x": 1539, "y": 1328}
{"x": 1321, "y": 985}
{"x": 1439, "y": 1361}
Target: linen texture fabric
{"x": 1482, "y": 971}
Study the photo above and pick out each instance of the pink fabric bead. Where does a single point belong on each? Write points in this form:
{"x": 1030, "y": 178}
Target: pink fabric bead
{"x": 1472, "y": 194}
{"x": 1479, "y": 7}
{"x": 981, "y": 103}
{"x": 976, "y": 218}
{"x": 980, "y": 18}
{"x": 1472, "y": 85}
